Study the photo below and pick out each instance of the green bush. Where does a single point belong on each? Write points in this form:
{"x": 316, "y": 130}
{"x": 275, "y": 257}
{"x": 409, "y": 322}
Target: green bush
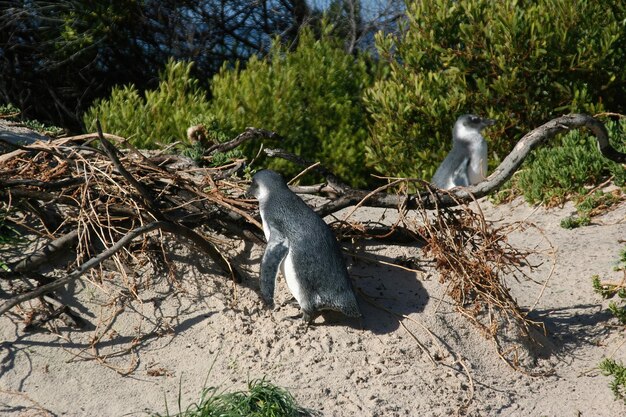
{"x": 159, "y": 116}
{"x": 617, "y": 370}
{"x": 311, "y": 96}
{"x": 553, "y": 173}
{"x": 522, "y": 63}
{"x": 8, "y": 110}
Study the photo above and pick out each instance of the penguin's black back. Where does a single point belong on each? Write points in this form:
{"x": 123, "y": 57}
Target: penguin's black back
{"x": 315, "y": 253}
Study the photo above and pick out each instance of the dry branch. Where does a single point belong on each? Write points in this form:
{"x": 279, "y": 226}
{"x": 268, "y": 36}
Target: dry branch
{"x": 46, "y": 253}
{"x": 249, "y": 134}
{"x": 112, "y": 153}
{"x": 158, "y": 214}
{"x": 101, "y": 197}
{"x": 332, "y": 179}
{"x": 204, "y": 244}
{"x": 17, "y": 193}
{"x": 176, "y": 230}
{"x": 474, "y": 261}
{"x": 91, "y": 263}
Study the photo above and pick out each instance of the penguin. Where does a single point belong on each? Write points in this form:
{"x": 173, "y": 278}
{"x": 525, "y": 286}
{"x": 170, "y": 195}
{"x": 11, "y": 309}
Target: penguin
{"x": 302, "y": 245}
{"x": 466, "y": 164}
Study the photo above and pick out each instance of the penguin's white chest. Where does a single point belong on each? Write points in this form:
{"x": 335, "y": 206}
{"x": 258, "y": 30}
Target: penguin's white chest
{"x": 477, "y": 168}
{"x": 289, "y": 272}
{"x": 266, "y": 229}
{"x": 263, "y": 196}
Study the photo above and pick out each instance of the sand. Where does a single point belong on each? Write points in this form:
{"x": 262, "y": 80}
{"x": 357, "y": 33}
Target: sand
{"x": 196, "y": 330}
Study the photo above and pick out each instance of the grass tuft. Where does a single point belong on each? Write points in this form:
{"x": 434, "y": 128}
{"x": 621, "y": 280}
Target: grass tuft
{"x": 592, "y": 205}
{"x": 9, "y": 111}
{"x": 572, "y": 222}
{"x": 263, "y": 399}
{"x": 44, "y": 129}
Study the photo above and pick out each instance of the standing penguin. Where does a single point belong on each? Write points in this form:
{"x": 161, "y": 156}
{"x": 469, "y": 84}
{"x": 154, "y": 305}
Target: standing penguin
{"x": 466, "y": 164}
{"x": 303, "y": 246}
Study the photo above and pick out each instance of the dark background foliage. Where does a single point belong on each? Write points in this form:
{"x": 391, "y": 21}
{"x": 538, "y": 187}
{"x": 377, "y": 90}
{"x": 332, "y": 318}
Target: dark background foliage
{"x": 366, "y": 87}
{"x": 56, "y": 58}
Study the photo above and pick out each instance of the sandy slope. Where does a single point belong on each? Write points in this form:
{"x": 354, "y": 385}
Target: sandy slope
{"x": 212, "y": 334}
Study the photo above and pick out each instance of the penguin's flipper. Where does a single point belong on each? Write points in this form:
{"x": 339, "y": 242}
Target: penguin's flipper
{"x": 453, "y": 170}
{"x": 275, "y": 253}
{"x": 459, "y": 176}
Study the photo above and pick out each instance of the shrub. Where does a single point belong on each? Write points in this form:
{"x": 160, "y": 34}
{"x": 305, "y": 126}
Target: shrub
{"x": 8, "y": 110}
{"x": 311, "y": 96}
{"x": 519, "y": 62}
{"x": 617, "y": 370}
{"x": 553, "y": 173}
{"x": 160, "y": 115}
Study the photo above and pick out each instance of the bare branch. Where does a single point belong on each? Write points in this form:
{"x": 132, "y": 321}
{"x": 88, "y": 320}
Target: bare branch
{"x": 249, "y": 134}
{"x": 44, "y": 254}
{"x": 332, "y": 179}
{"x": 112, "y": 153}
{"x": 156, "y": 212}
{"x": 205, "y": 245}
{"x": 12, "y": 193}
{"x": 541, "y": 135}
{"x": 175, "y": 229}
{"x": 93, "y": 262}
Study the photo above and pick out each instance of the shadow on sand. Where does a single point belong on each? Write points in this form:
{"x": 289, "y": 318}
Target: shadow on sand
{"x": 385, "y": 292}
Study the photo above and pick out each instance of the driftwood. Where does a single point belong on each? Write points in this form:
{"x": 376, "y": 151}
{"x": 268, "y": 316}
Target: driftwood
{"x": 14, "y": 133}
{"x": 112, "y": 198}
{"x": 46, "y": 254}
{"x": 249, "y": 134}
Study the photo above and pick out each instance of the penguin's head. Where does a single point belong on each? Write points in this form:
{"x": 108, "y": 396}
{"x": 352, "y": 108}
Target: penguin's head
{"x": 468, "y": 126}
{"x": 263, "y": 182}
{"x": 471, "y": 121}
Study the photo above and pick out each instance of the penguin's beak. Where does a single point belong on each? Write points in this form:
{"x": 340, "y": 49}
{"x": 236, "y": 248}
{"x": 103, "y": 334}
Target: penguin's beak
{"x": 249, "y": 193}
{"x": 488, "y": 122}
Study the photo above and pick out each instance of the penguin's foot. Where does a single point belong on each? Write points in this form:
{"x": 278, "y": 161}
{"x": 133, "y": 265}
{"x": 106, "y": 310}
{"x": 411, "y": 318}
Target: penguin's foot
{"x": 294, "y": 317}
{"x": 307, "y": 318}
{"x": 290, "y": 302}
